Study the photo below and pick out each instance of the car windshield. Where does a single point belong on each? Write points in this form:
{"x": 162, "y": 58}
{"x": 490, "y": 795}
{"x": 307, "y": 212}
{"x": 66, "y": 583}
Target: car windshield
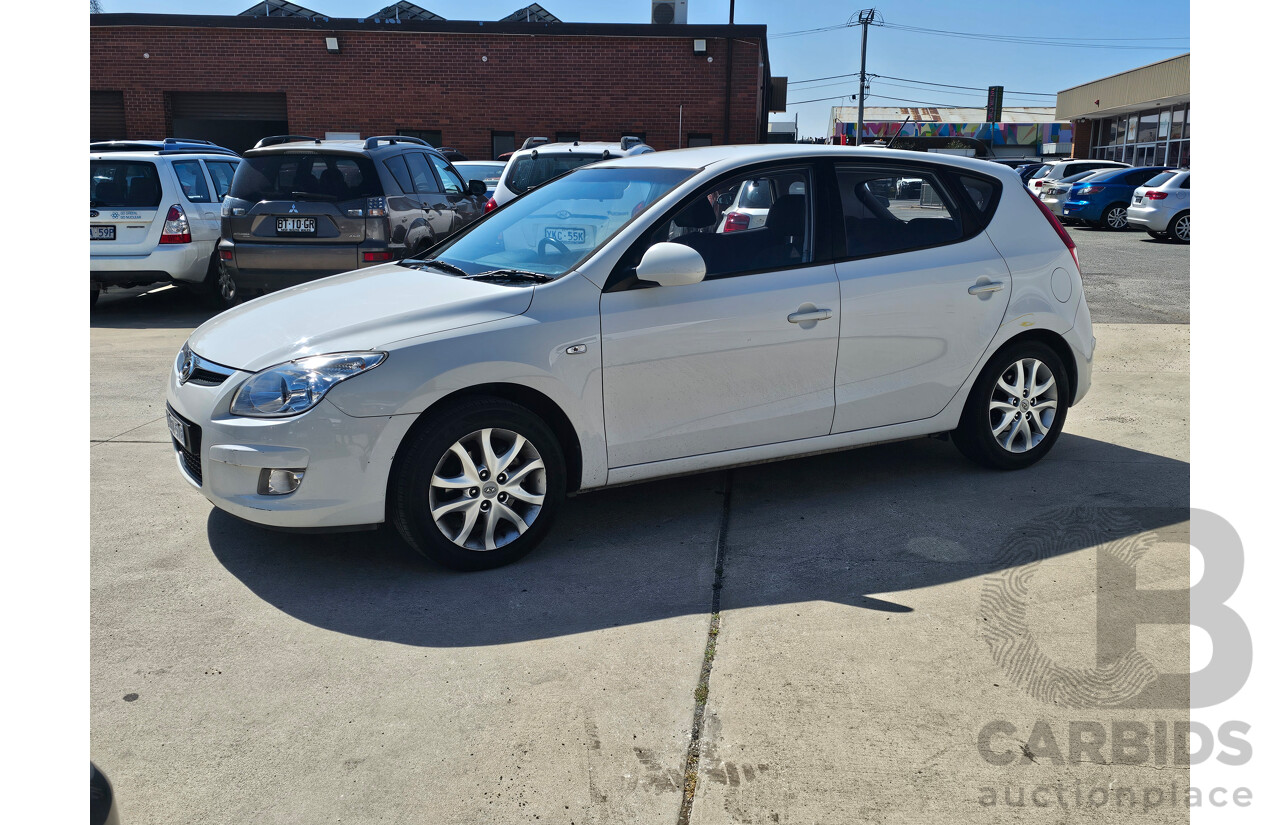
{"x": 554, "y": 228}
{"x": 1161, "y": 179}
{"x": 123, "y": 184}
{"x": 528, "y": 171}
{"x": 305, "y": 175}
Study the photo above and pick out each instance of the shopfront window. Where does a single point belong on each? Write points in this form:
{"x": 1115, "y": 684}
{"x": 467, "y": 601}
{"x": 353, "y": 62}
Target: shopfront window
{"x": 1148, "y": 123}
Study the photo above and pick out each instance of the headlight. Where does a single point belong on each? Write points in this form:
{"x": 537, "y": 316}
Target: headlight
{"x": 297, "y": 386}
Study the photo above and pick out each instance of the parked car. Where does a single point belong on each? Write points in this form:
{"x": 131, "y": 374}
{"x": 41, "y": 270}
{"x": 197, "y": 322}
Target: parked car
{"x": 747, "y": 207}
{"x": 1102, "y": 201}
{"x": 1060, "y": 169}
{"x": 489, "y": 171}
{"x": 463, "y": 396}
{"x": 452, "y": 155}
{"x": 153, "y": 215}
{"x": 302, "y": 208}
{"x": 1054, "y": 193}
{"x": 1028, "y": 171}
{"x": 1162, "y": 206}
{"x": 538, "y": 161}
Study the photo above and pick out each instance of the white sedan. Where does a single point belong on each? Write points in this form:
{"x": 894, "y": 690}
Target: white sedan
{"x": 463, "y": 395}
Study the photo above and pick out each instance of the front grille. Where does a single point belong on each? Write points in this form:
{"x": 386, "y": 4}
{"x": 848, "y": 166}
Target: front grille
{"x": 190, "y": 458}
{"x": 206, "y": 378}
{"x": 192, "y": 464}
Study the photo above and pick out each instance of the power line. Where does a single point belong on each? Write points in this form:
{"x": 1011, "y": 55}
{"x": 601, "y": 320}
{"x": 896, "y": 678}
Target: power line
{"x": 1067, "y": 43}
{"x": 975, "y": 88}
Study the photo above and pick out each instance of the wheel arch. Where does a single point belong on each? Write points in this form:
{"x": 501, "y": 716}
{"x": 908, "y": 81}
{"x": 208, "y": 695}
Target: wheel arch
{"x": 527, "y": 397}
{"x": 1055, "y": 342}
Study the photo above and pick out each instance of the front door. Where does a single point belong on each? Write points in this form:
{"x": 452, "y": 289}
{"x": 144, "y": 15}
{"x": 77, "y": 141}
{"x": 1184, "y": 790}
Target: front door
{"x": 744, "y": 358}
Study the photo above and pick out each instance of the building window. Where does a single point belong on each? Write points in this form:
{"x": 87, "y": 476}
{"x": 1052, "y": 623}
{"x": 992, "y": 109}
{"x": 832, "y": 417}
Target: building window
{"x": 432, "y": 136}
{"x": 503, "y": 142}
{"x": 568, "y": 137}
{"x": 699, "y": 139}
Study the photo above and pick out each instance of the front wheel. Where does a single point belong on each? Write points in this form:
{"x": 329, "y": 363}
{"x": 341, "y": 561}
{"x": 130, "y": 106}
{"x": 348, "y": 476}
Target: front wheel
{"x": 478, "y": 484}
{"x": 1016, "y": 408}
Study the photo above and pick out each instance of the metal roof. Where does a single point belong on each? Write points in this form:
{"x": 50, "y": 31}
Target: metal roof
{"x": 532, "y": 13}
{"x": 278, "y": 8}
{"x": 404, "y": 10}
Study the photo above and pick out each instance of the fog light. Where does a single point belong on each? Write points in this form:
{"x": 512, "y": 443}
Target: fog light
{"x": 279, "y": 482}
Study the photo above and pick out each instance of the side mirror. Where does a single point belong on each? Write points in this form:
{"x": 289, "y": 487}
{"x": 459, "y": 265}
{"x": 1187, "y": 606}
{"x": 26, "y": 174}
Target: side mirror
{"x": 724, "y": 200}
{"x": 477, "y": 187}
{"x": 671, "y": 264}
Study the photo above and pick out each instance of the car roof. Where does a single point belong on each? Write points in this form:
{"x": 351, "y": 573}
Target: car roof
{"x": 339, "y": 147}
{"x": 158, "y": 155}
{"x": 585, "y": 147}
{"x": 703, "y": 157}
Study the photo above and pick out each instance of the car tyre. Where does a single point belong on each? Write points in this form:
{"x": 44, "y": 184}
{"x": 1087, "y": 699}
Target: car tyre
{"x": 1179, "y": 230}
{"x": 1115, "y": 217}
{"x": 1004, "y": 425}
{"x": 477, "y": 484}
{"x": 218, "y": 290}
{"x": 94, "y": 289}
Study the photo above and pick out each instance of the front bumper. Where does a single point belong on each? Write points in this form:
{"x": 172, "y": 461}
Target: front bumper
{"x": 347, "y": 460}
{"x": 186, "y": 262}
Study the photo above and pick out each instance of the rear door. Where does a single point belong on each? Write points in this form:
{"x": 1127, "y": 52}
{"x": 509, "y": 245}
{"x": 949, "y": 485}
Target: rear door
{"x": 198, "y": 200}
{"x": 466, "y": 206}
{"x": 124, "y": 203}
{"x": 922, "y": 293}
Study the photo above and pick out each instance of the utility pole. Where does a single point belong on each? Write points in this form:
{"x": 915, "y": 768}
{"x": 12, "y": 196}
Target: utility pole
{"x": 728, "y": 76}
{"x": 865, "y": 18}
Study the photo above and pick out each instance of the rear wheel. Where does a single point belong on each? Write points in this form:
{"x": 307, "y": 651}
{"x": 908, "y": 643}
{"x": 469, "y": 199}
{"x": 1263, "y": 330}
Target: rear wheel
{"x": 1016, "y": 408}
{"x": 218, "y": 289}
{"x": 1116, "y": 217}
{"x": 1180, "y": 228}
{"x": 478, "y": 484}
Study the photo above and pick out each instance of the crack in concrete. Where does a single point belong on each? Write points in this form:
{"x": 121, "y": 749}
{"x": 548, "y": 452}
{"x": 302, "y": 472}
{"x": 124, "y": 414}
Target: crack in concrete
{"x": 700, "y": 693}
{"x": 126, "y": 432}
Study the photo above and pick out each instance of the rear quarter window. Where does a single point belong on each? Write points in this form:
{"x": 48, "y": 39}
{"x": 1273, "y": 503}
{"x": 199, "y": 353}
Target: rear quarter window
{"x": 1161, "y": 179}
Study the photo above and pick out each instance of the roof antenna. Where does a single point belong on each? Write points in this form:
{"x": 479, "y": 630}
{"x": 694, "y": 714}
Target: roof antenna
{"x": 900, "y": 127}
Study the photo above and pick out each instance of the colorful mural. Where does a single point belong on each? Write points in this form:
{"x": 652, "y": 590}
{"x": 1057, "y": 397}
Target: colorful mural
{"x": 995, "y": 134}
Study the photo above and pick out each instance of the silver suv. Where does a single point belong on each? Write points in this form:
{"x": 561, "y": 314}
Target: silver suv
{"x": 153, "y": 214}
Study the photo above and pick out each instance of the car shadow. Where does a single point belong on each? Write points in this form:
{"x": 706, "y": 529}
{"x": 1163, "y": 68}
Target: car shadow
{"x": 849, "y": 528}
{"x": 157, "y": 308}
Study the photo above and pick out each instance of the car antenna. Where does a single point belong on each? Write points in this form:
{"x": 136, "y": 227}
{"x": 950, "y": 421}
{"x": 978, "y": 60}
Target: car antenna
{"x": 900, "y": 127}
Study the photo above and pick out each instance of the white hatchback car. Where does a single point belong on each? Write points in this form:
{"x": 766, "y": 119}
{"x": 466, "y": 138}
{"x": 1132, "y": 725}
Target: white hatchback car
{"x": 154, "y": 215}
{"x": 462, "y": 397}
{"x": 1162, "y": 206}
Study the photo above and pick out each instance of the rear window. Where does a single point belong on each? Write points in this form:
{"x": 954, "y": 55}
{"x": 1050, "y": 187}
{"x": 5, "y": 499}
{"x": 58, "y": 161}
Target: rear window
{"x": 123, "y": 184}
{"x": 1041, "y": 172}
{"x": 305, "y": 176}
{"x": 528, "y": 171}
{"x": 1161, "y": 179}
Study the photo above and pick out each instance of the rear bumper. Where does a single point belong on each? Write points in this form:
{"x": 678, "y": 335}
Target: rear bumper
{"x": 1083, "y": 210}
{"x": 1155, "y": 219}
{"x": 187, "y": 262}
{"x": 279, "y": 265}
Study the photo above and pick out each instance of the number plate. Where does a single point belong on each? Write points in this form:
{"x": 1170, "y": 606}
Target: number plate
{"x": 178, "y": 429}
{"x": 296, "y": 226}
{"x": 102, "y": 233}
{"x": 566, "y": 234}
{"x": 1137, "y": 199}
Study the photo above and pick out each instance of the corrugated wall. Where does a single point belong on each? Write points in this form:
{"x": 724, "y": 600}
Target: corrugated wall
{"x": 1168, "y": 78}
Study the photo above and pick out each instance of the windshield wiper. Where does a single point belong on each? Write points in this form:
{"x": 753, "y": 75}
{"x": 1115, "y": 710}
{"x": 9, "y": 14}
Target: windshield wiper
{"x": 441, "y": 265}
{"x": 514, "y": 274}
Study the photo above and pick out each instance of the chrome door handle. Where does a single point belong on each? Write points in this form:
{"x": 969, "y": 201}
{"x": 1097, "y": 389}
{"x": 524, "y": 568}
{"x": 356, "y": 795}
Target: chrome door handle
{"x": 810, "y": 315}
{"x": 987, "y": 287}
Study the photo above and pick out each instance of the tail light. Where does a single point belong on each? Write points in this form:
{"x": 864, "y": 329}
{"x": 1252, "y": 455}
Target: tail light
{"x": 1088, "y": 190}
{"x": 375, "y": 257}
{"x": 1039, "y": 183}
{"x": 225, "y": 254}
{"x": 736, "y": 221}
{"x": 176, "y": 229}
{"x": 490, "y": 205}
{"x": 376, "y": 207}
{"x": 1157, "y": 195}
{"x": 1057, "y": 227}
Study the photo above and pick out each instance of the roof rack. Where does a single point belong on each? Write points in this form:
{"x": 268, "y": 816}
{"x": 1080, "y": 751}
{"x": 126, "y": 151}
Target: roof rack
{"x": 168, "y": 146}
{"x": 372, "y": 143}
{"x": 273, "y": 140}
{"x": 529, "y": 143}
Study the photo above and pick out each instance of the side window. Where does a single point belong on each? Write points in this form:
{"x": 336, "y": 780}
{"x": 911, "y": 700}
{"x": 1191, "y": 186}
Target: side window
{"x": 888, "y": 211}
{"x": 1186, "y": 184}
{"x": 423, "y": 180}
{"x": 1139, "y": 178}
{"x": 400, "y": 171}
{"x": 980, "y": 191}
{"x": 191, "y": 179}
{"x": 221, "y": 172}
{"x": 453, "y": 184}
{"x": 760, "y": 222}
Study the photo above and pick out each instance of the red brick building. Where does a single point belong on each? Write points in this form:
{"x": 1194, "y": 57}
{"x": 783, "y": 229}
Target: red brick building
{"x": 481, "y": 87}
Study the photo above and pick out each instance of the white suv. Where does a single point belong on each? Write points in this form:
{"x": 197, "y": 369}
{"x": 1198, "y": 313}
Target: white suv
{"x": 539, "y": 161}
{"x": 461, "y": 397}
{"x": 154, "y": 215}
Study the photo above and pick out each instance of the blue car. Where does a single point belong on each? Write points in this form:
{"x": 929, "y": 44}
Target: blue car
{"x": 1102, "y": 201}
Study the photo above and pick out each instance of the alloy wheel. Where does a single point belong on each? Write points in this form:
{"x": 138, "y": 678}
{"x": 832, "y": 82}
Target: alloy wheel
{"x": 487, "y": 489}
{"x": 1023, "y": 405}
{"x": 1117, "y": 217}
{"x": 1182, "y": 229}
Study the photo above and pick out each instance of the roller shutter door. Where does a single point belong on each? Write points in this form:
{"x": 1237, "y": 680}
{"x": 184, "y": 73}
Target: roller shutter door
{"x": 106, "y": 116}
{"x": 236, "y": 120}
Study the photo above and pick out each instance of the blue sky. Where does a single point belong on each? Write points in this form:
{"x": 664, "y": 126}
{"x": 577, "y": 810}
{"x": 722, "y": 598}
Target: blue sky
{"x": 916, "y": 56}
